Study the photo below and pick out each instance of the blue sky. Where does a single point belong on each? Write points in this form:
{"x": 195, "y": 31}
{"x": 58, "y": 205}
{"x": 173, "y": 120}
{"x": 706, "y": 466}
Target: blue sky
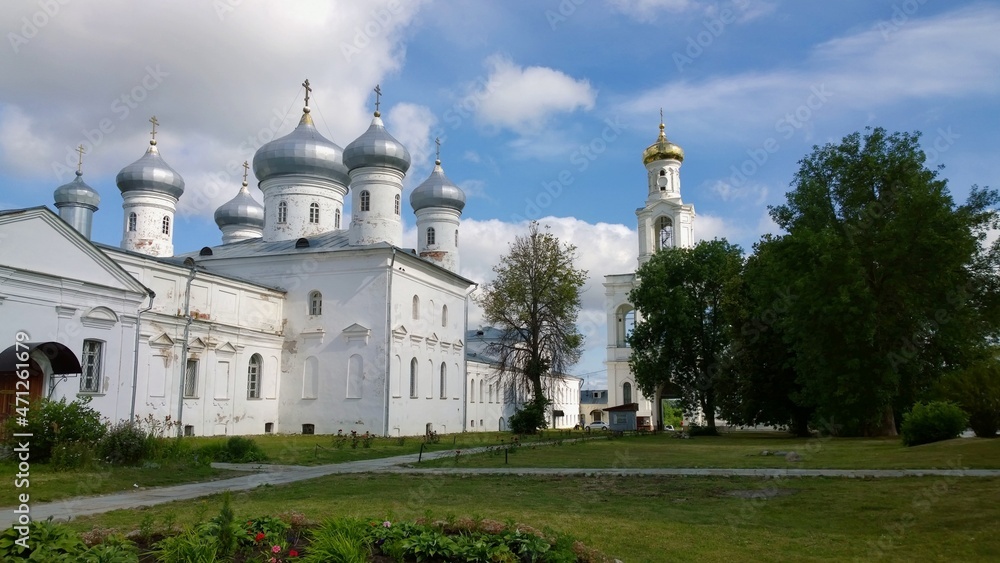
{"x": 543, "y": 107}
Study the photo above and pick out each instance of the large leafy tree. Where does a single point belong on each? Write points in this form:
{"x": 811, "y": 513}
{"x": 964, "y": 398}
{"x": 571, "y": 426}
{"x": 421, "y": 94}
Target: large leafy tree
{"x": 533, "y": 302}
{"x": 891, "y": 282}
{"x": 682, "y": 336}
{"x": 760, "y": 386}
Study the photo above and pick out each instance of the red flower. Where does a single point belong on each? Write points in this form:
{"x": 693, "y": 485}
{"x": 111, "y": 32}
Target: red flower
{"x": 258, "y": 537}
{"x": 293, "y": 553}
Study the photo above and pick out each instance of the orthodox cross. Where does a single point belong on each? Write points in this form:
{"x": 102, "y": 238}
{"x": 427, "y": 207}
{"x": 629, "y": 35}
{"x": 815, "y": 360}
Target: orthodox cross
{"x": 437, "y": 141}
{"x": 308, "y": 89}
{"x": 153, "y": 132}
{"x": 378, "y": 96}
{"x": 661, "y": 115}
{"x": 79, "y": 163}
{"x": 246, "y": 170}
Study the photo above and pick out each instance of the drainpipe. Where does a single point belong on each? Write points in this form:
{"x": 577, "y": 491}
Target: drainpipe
{"x": 465, "y": 361}
{"x": 184, "y": 348}
{"x": 388, "y": 341}
{"x": 135, "y": 360}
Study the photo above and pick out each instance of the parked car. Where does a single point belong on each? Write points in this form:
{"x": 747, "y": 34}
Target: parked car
{"x": 669, "y": 428}
{"x": 598, "y": 425}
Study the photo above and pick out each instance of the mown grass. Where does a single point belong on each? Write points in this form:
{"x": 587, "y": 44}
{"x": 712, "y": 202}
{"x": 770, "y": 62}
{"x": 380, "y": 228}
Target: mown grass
{"x": 48, "y": 484}
{"x": 657, "y": 519}
{"x": 739, "y": 450}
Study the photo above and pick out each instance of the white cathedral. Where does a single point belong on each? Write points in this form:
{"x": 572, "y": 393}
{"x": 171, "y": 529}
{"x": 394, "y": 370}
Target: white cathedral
{"x": 299, "y": 322}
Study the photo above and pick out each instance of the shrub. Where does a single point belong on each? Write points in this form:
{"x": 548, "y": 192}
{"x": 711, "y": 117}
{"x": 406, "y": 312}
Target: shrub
{"x": 529, "y": 419}
{"x": 698, "y": 430}
{"x": 932, "y": 422}
{"x": 237, "y": 449}
{"x": 53, "y": 423}
{"x": 126, "y": 443}
{"x": 977, "y": 390}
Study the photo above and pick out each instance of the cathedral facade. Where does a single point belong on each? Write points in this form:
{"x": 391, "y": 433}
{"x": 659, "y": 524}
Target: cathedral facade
{"x": 665, "y": 221}
{"x": 302, "y": 321}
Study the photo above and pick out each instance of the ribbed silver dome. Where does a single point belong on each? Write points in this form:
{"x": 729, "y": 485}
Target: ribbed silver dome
{"x": 241, "y": 210}
{"x": 303, "y": 151}
{"x": 376, "y": 147}
{"x": 150, "y": 174}
{"x": 76, "y": 192}
{"x": 437, "y": 191}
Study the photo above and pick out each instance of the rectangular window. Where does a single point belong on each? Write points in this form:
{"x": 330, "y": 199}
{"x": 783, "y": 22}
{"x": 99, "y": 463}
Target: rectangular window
{"x": 191, "y": 379}
{"x": 90, "y": 378}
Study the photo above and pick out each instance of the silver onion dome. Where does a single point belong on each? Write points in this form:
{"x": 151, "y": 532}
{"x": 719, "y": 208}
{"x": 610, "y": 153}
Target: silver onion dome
{"x": 151, "y": 174}
{"x": 242, "y": 210}
{"x": 376, "y": 147}
{"x": 76, "y": 192}
{"x": 437, "y": 191}
{"x": 303, "y": 151}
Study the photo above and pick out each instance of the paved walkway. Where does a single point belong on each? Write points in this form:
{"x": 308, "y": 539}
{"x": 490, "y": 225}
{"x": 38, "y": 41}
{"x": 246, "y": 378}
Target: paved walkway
{"x": 281, "y": 474}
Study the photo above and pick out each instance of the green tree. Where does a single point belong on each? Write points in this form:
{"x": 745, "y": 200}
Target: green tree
{"x": 534, "y": 302}
{"x": 760, "y": 386}
{"x": 682, "y": 334}
{"x": 888, "y": 275}
{"x": 977, "y": 390}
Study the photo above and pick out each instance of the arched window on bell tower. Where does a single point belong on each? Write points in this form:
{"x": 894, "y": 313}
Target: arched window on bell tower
{"x": 664, "y": 233}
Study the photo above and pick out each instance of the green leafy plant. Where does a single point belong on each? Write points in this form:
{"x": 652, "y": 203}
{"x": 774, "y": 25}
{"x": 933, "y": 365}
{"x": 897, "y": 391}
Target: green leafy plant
{"x": 977, "y": 390}
{"x": 126, "y": 443}
{"x": 430, "y": 545}
{"x": 53, "y": 423}
{"x": 189, "y": 546}
{"x": 48, "y": 541}
{"x": 529, "y": 418}
{"x": 932, "y": 422}
{"x": 346, "y": 540}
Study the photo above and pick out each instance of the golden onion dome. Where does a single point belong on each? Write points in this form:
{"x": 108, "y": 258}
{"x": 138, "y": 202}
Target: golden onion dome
{"x": 662, "y": 149}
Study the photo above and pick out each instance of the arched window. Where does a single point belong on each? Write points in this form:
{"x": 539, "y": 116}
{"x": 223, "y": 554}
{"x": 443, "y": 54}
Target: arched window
{"x": 444, "y": 381}
{"x": 482, "y": 392}
{"x": 253, "y": 377}
{"x": 472, "y": 390}
{"x": 664, "y": 233}
{"x": 315, "y": 303}
{"x": 626, "y": 393}
{"x": 366, "y": 200}
{"x": 416, "y": 307}
{"x": 397, "y": 204}
{"x": 336, "y": 219}
{"x": 314, "y": 213}
{"x": 456, "y": 238}
{"x": 430, "y": 236}
{"x": 491, "y": 392}
{"x": 282, "y": 212}
{"x": 166, "y": 224}
{"x": 132, "y": 219}
{"x": 444, "y": 315}
{"x": 413, "y": 378}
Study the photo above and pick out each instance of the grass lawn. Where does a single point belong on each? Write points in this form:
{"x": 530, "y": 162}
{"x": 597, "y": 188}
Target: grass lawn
{"x": 740, "y": 450}
{"x": 657, "y": 519}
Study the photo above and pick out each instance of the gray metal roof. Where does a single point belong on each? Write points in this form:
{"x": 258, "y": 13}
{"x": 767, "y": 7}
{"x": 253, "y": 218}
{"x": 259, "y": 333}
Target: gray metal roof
{"x": 76, "y": 192}
{"x": 376, "y": 147}
{"x": 151, "y": 174}
{"x": 303, "y": 151}
{"x": 437, "y": 191}
{"x": 241, "y": 210}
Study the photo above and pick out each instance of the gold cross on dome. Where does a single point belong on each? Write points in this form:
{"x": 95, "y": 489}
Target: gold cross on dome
{"x": 661, "y": 115}
{"x": 378, "y": 96}
{"x": 79, "y": 163}
{"x": 246, "y": 170}
{"x": 155, "y": 123}
{"x": 308, "y": 89}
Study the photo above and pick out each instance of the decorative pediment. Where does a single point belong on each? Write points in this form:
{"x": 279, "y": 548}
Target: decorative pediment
{"x": 415, "y": 340}
{"x": 161, "y": 341}
{"x": 459, "y": 345}
{"x": 225, "y": 348}
{"x": 66, "y": 312}
{"x": 197, "y": 344}
{"x": 99, "y": 317}
{"x": 357, "y": 333}
{"x": 399, "y": 334}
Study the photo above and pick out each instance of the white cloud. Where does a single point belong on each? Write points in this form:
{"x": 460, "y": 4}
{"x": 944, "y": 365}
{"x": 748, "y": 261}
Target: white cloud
{"x": 411, "y": 125}
{"x": 523, "y": 99}
{"x": 647, "y": 11}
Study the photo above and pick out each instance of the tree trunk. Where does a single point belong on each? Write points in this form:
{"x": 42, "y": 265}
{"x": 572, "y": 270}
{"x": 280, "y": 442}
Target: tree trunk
{"x": 887, "y": 426}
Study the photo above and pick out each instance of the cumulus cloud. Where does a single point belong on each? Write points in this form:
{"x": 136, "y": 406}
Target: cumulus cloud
{"x": 523, "y": 99}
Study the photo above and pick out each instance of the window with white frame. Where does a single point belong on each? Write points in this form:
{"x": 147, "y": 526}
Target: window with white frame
{"x": 282, "y": 212}
{"x": 166, "y": 224}
{"x": 336, "y": 219}
{"x": 314, "y": 213}
{"x": 132, "y": 220}
{"x": 315, "y": 303}
{"x": 191, "y": 379}
{"x": 254, "y": 377}
{"x": 430, "y": 236}
{"x": 90, "y": 376}
{"x": 397, "y": 204}
{"x": 366, "y": 200}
